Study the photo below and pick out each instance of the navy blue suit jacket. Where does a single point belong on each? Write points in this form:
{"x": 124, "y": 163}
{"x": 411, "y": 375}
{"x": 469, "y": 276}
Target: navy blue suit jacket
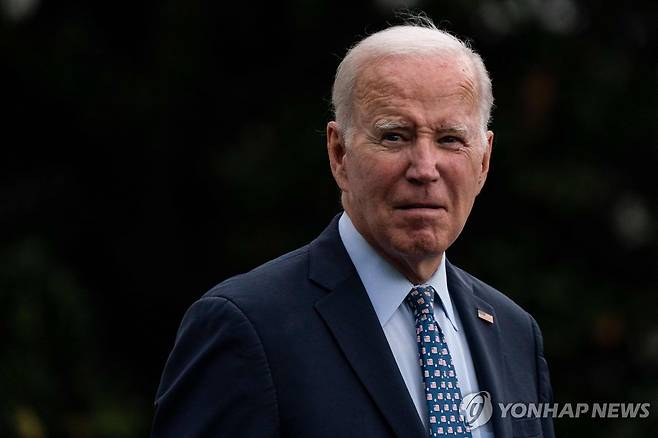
{"x": 294, "y": 349}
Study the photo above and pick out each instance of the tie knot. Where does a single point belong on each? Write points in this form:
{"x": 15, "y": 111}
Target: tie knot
{"x": 421, "y": 300}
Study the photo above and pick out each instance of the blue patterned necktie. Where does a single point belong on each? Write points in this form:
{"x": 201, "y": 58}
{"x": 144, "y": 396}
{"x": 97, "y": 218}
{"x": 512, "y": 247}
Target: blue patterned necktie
{"x": 441, "y": 387}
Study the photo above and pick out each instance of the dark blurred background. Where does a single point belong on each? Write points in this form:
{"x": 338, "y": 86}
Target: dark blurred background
{"x": 151, "y": 149}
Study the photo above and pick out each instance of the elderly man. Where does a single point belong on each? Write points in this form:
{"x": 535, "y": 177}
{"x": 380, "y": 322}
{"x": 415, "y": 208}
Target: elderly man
{"x": 369, "y": 331}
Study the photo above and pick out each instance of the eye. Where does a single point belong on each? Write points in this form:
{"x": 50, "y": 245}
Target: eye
{"x": 451, "y": 141}
{"x": 392, "y": 137}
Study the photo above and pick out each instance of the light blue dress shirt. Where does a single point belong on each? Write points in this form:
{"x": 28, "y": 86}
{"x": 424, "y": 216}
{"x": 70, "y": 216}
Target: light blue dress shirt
{"x": 387, "y": 289}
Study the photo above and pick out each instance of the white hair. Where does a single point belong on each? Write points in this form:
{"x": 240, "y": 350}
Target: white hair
{"x": 418, "y": 38}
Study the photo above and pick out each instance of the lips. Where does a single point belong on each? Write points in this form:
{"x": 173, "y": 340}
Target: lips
{"x": 414, "y": 205}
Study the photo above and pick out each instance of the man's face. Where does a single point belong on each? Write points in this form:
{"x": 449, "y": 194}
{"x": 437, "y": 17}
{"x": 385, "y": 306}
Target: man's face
{"x": 417, "y": 157}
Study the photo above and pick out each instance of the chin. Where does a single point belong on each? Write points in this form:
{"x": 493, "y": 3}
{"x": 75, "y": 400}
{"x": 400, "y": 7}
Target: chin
{"x": 420, "y": 246}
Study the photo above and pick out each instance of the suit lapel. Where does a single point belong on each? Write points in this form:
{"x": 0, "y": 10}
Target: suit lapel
{"x": 352, "y": 320}
{"x": 484, "y": 340}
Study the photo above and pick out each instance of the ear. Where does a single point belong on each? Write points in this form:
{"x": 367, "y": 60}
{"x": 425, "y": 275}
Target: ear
{"x": 337, "y": 152}
{"x": 484, "y": 165}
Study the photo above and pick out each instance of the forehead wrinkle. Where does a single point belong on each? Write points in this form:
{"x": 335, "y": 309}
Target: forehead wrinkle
{"x": 468, "y": 92}
{"x": 467, "y": 85}
{"x": 377, "y": 96}
{"x": 376, "y": 88}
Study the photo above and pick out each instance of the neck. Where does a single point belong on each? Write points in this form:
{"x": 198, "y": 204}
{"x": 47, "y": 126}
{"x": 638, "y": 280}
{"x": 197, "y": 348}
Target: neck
{"x": 416, "y": 270}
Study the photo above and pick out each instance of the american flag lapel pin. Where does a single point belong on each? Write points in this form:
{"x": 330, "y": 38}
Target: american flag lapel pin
{"x": 485, "y": 316}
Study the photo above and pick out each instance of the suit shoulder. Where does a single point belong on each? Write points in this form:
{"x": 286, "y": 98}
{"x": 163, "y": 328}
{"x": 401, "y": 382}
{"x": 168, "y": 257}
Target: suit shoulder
{"x": 276, "y": 274}
{"x": 492, "y": 295}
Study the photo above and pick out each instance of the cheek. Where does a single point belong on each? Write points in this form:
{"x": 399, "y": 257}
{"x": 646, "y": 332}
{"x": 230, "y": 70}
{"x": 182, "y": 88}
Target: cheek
{"x": 461, "y": 177}
{"x": 371, "y": 176}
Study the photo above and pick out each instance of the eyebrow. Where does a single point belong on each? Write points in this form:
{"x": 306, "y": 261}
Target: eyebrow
{"x": 385, "y": 124}
{"x": 459, "y": 129}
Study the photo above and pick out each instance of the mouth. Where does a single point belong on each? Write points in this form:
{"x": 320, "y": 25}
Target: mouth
{"x": 419, "y": 206}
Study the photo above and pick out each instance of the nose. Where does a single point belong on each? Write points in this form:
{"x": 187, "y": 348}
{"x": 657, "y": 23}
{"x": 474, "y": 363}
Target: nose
{"x": 423, "y": 162}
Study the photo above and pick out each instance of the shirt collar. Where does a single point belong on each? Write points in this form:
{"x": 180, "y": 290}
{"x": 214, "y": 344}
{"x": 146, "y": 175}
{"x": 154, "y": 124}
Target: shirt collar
{"x": 386, "y": 286}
